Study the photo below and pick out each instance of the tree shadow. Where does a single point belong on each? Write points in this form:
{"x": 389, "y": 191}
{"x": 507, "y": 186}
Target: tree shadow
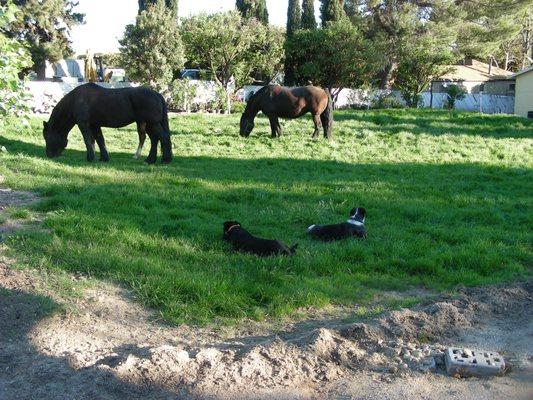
{"x": 26, "y": 373}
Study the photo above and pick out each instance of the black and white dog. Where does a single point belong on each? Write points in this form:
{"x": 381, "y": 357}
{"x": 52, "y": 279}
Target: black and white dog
{"x": 354, "y": 226}
{"x": 242, "y": 240}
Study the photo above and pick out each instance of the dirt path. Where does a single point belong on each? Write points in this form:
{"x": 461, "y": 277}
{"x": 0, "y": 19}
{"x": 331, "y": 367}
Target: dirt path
{"x": 104, "y": 345}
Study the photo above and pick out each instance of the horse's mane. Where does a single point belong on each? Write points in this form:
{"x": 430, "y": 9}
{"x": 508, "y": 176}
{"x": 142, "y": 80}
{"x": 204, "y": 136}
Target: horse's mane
{"x": 251, "y": 101}
{"x": 61, "y": 114}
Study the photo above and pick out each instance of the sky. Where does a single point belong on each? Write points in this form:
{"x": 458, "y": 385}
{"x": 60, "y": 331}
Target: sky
{"x": 106, "y": 19}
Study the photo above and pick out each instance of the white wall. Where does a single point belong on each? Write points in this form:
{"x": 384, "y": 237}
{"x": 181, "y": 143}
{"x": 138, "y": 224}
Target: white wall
{"x": 46, "y": 94}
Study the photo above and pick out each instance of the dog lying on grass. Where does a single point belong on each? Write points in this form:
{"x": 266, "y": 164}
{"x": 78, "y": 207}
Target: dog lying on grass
{"x": 242, "y": 240}
{"x": 354, "y": 226}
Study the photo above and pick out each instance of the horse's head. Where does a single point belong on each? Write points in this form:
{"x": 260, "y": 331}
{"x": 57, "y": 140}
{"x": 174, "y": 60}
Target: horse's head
{"x": 247, "y": 125}
{"x": 55, "y": 141}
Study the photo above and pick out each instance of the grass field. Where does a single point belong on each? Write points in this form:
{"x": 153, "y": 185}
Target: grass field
{"x": 448, "y": 197}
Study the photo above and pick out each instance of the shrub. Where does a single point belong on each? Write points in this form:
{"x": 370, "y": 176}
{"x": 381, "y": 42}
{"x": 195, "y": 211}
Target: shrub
{"x": 454, "y": 93}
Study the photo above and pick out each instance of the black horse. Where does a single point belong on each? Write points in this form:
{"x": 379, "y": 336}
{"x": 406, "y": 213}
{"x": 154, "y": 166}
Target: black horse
{"x": 282, "y": 102}
{"x": 92, "y": 107}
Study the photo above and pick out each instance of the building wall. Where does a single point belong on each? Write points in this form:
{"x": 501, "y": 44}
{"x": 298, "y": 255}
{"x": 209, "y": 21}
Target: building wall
{"x": 524, "y": 94}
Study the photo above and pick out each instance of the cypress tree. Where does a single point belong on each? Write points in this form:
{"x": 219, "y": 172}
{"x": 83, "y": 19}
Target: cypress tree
{"x": 294, "y": 19}
{"x": 294, "y": 16}
{"x": 253, "y": 9}
{"x": 331, "y": 10}
{"x": 308, "y": 15}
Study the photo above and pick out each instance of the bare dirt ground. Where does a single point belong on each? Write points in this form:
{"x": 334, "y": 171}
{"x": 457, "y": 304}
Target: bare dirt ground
{"x": 104, "y": 345}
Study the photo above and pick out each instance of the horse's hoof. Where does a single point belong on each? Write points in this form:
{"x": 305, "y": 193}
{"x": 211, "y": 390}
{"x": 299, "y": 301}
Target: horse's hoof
{"x": 149, "y": 161}
{"x": 104, "y": 158}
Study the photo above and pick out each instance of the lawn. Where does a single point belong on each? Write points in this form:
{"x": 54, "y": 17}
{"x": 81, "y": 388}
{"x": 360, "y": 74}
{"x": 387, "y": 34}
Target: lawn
{"x": 448, "y": 198}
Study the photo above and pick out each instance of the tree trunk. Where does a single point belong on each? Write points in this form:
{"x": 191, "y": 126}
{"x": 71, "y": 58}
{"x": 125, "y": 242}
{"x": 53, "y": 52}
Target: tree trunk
{"x": 386, "y": 75}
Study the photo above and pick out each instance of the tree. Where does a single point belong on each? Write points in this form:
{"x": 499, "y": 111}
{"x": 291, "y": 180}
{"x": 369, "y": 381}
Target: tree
{"x": 253, "y": 9}
{"x": 308, "y": 15}
{"x": 44, "y": 26}
{"x": 294, "y": 17}
{"x": 337, "y": 56}
{"x": 394, "y": 24}
{"x": 231, "y": 48}
{"x": 495, "y": 32}
{"x": 151, "y": 50}
{"x": 331, "y": 10}
{"x": 420, "y": 62}
{"x": 172, "y": 5}
{"x": 14, "y": 58}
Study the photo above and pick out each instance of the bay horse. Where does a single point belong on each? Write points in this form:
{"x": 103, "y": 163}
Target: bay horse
{"x": 92, "y": 107}
{"x": 282, "y": 102}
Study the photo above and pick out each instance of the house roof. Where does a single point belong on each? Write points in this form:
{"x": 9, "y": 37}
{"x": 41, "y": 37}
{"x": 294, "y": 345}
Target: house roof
{"x": 476, "y": 71}
{"x": 524, "y": 71}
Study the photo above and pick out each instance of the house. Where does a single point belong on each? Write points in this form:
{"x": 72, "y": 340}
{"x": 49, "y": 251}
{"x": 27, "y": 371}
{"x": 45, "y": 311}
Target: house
{"x": 475, "y": 77}
{"x": 523, "y": 105}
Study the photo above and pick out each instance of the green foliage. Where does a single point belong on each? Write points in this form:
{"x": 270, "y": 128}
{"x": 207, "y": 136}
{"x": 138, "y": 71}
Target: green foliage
{"x": 308, "y": 15}
{"x": 294, "y": 17}
{"x": 420, "y": 61}
{"x": 253, "y": 9}
{"x": 336, "y": 56}
{"x": 151, "y": 49}
{"x": 501, "y": 31}
{"x": 454, "y": 93}
{"x": 172, "y": 5}
{"x": 14, "y": 58}
{"x": 447, "y": 196}
{"x": 331, "y": 10}
{"x": 385, "y": 101}
{"x": 44, "y": 26}
{"x": 182, "y": 95}
{"x": 232, "y": 48}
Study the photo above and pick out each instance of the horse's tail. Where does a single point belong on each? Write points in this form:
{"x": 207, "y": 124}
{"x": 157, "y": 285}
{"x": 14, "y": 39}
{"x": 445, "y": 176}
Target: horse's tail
{"x": 166, "y": 143}
{"x": 327, "y": 116}
{"x": 164, "y": 119}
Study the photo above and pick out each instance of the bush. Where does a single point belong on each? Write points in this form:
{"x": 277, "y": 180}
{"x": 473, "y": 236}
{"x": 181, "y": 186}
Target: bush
{"x": 182, "y": 94}
{"x": 14, "y": 57}
{"x": 454, "y": 93}
{"x": 386, "y": 101}
{"x": 238, "y": 107}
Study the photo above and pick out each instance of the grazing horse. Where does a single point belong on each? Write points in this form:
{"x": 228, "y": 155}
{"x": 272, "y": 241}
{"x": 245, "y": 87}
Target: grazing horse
{"x": 282, "y": 102}
{"x": 92, "y": 107}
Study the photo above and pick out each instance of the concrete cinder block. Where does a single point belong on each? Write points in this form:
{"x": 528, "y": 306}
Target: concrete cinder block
{"x": 467, "y": 362}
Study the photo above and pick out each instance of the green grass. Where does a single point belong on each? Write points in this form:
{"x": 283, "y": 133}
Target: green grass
{"x": 448, "y": 197}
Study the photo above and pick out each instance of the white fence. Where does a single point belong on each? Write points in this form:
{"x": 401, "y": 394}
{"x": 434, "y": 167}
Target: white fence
{"x": 46, "y": 94}
{"x": 485, "y": 103}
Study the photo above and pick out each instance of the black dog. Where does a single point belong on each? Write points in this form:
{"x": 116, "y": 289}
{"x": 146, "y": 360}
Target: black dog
{"x": 354, "y": 226}
{"x": 242, "y": 240}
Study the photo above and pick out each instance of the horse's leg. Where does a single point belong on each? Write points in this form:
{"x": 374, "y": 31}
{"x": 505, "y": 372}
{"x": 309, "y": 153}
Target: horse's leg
{"x": 152, "y": 155}
{"x": 141, "y": 130}
{"x": 104, "y": 155}
{"x": 164, "y": 137}
{"x": 275, "y": 126}
{"x": 318, "y": 125}
{"x": 88, "y": 138}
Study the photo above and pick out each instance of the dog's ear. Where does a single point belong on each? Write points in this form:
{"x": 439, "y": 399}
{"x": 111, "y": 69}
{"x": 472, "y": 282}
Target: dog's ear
{"x": 353, "y": 211}
{"x": 362, "y": 212}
